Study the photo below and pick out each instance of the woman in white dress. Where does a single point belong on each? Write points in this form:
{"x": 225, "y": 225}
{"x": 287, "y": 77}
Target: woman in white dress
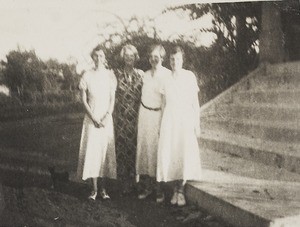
{"x": 97, "y": 149}
{"x": 178, "y": 151}
{"x": 149, "y": 120}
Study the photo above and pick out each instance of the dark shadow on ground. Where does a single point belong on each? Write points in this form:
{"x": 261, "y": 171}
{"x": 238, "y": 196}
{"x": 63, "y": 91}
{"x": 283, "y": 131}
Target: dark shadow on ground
{"x": 30, "y": 200}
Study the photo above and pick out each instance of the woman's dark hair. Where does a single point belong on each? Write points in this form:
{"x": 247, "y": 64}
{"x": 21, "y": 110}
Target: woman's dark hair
{"x": 97, "y": 49}
{"x": 177, "y": 49}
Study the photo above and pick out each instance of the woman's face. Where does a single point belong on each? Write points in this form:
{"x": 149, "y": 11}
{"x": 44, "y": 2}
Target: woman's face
{"x": 99, "y": 58}
{"x": 155, "y": 58}
{"x": 129, "y": 57}
{"x": 176, "y": 61}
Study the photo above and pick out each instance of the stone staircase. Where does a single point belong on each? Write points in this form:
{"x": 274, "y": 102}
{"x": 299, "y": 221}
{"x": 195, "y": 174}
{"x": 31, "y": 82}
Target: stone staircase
{"x": 255, "y": 125}
{"x": 259, "y": 119}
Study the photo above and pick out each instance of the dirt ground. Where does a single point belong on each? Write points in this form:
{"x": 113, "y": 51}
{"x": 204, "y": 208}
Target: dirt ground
{"x": 27, "y": 198}
{"x": 30, "y": 201}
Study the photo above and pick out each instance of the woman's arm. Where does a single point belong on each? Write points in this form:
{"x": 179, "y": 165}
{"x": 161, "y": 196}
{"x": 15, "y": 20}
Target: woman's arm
{"x": 110, "y": 109}
{"x": 196, "y": 107}
{"x": 88, "y": 108}
{"x": 111, "y": 101}
{"x": 163, "y": 102}
{"x": 195, "y": 104}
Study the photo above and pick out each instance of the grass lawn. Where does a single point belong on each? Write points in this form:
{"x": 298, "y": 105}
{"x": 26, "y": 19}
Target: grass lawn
{"x": 53, "y": 137}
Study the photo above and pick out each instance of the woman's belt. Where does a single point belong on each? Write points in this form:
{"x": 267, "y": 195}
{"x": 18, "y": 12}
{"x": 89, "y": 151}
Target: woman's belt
{"x": 149, "y": 108}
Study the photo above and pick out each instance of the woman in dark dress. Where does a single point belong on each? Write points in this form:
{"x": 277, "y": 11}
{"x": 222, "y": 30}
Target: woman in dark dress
{"x": 128, "y": 96}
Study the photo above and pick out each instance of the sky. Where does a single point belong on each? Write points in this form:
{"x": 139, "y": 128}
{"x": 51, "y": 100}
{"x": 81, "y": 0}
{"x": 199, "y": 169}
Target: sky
{"x": 68, "y": 29}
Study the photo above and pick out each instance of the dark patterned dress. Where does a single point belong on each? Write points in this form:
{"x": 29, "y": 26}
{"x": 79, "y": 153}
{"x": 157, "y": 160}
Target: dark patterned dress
{"x": 128, "y": 99}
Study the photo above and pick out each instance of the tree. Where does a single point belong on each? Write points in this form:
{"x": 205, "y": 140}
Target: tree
{"x": 30, "y": 79}
{"x": 236, "y": 25}
{"x": 53, "y": 74}
{"x": 70, "y": 77}
{"x": 24, "y": 71}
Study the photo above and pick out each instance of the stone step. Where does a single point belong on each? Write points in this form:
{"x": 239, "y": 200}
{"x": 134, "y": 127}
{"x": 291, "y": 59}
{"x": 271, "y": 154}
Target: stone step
{"x": 258, "y": 111}
{"x": 275, "y": 96}
{"x": 281, "y": 81}
{"x": 231, "y": 163}
{"x": 246, "y": 193}
{"x": 280, "y": 131}
{"x": 252, "y": 135}
{"x": 278, "y": 154}
{"x": 246, "y": 201}
{"x": 286, "y": 68}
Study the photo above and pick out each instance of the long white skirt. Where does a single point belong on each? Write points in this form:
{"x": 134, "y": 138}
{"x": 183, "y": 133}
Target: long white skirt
{"x": 178, "y": 155}
{"x": 97, "y": 156}
{"x": 147, "y": 141}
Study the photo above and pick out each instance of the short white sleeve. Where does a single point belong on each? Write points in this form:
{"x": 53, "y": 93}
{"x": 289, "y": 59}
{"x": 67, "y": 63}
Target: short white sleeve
{"x": 164, "y": 82}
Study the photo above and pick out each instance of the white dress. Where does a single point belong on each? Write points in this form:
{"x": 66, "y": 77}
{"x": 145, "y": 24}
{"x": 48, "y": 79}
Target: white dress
{"x": 178, "y": 151}
{"x": 97, "y": 156}
{"x": 149, "y": 122}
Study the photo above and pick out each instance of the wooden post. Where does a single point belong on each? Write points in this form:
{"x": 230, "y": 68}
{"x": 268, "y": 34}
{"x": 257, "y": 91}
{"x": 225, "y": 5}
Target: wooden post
{"x": 271, "y": 43}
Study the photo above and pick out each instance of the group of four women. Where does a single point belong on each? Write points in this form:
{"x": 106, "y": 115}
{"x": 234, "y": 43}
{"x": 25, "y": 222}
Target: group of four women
{"x": 156, "y": 119}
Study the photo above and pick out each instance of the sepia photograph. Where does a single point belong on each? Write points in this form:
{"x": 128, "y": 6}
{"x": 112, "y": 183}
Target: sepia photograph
{"x": 149, "y": 113}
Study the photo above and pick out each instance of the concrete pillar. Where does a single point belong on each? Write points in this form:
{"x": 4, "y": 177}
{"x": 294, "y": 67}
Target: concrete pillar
{"x": 271, "y": 43}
